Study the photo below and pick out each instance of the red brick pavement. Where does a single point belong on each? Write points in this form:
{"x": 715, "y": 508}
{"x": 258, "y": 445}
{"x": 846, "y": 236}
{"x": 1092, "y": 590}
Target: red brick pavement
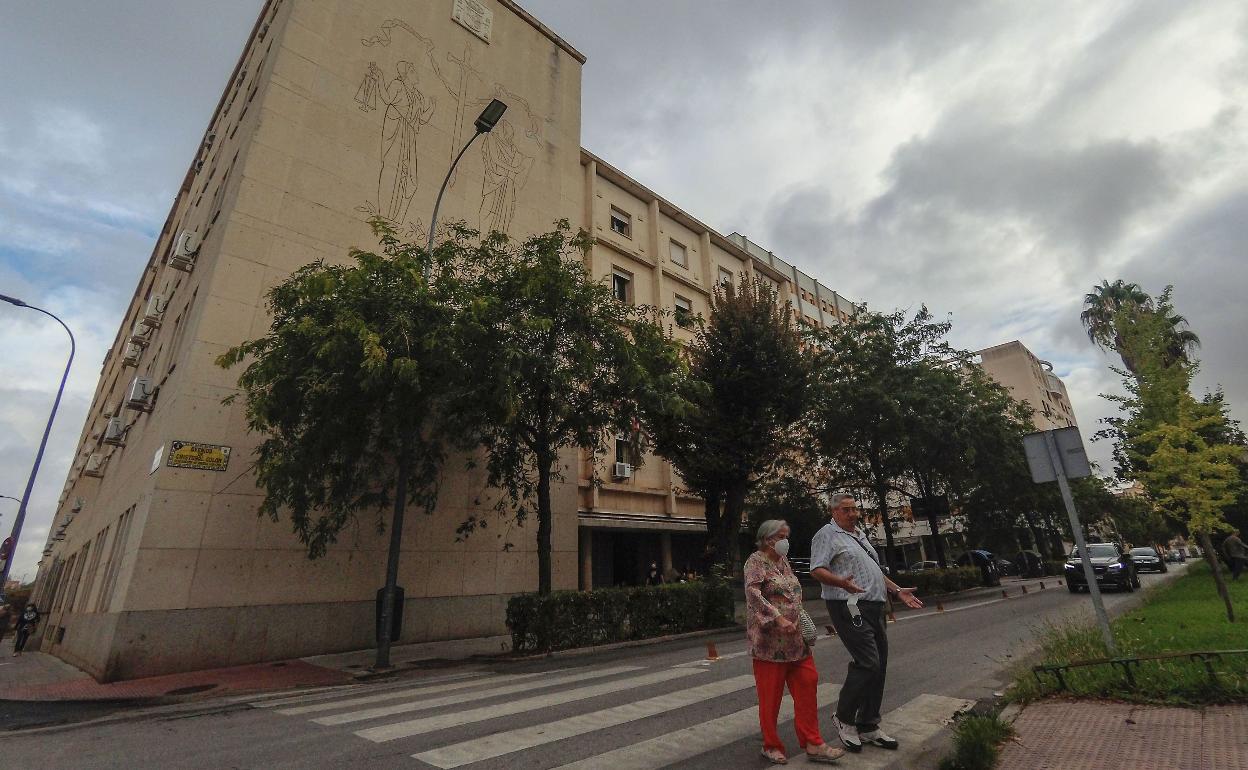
{"x": 258, "y": 677}
{"x": 1101, "y": 735}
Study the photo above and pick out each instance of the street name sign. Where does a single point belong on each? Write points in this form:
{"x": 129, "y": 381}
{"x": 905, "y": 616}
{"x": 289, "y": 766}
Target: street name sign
{"x": 202, "y": 457}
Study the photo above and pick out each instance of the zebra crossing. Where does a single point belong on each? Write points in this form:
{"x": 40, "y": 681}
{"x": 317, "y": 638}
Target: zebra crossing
{"x": 457, "y": 704}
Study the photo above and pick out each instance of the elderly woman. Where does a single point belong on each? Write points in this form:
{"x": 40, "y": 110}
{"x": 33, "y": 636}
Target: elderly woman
{"x": 773, "y": 599}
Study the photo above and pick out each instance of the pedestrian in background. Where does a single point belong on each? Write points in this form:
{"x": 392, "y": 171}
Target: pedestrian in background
{"x": 854, "y": 588}
{"x": 654, "y": 577}
{"x": 1236, "y": 554}
{"x": 27, "y": 622}
{"x": 773, "y": 604}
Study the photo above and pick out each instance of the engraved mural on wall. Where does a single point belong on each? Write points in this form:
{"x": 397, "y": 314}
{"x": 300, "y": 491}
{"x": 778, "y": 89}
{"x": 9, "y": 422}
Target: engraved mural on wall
{"x": 399, "y": 88}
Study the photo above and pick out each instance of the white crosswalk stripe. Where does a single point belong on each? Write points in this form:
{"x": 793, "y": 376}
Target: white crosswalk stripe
{"x": 458, "y": 718}
{"x": 498, "y": 744}
{"x": 449, "y": 698}
{"x": 425, "y": 704}
{"x": 691, "y": 741}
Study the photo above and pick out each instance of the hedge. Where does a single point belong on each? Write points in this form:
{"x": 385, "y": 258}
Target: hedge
{"x": 568, "y": 619}
{"x": 940, "y": 581}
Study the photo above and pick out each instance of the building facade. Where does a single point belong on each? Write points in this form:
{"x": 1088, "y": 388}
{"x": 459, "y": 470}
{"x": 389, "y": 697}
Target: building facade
{"x": 1030, "y": 380}
{"x": 339, "y": 111}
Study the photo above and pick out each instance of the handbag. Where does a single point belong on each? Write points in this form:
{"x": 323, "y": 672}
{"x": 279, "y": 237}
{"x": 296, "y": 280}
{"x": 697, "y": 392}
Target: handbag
{"x": 807, "y": 626}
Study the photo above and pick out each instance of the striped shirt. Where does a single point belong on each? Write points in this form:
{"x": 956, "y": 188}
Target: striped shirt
{"x": 848, "y": 553}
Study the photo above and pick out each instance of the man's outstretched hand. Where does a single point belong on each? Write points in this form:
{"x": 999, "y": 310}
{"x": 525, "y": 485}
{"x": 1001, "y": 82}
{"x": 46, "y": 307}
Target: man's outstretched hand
{"x": 908, "y": 598}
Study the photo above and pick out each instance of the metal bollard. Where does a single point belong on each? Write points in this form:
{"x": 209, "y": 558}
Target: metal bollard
{"x": 1041, "y": 585}
{"x": 711, "y": 652}
{"x": 1024, "y": 589}
{"x": 1005, "y": 594}
{"x": 940, "y": 607}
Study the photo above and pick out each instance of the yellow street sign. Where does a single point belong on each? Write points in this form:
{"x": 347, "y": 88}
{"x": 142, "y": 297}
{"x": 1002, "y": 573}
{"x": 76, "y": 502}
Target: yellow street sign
{"x": 203, "y": 457}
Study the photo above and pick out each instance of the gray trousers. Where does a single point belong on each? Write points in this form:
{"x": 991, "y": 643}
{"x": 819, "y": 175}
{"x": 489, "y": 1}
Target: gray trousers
{"x": 863, "y": 690}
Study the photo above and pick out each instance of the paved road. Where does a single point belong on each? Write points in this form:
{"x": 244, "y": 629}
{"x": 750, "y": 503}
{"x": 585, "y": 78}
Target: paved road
{"x": 642, "y": 708}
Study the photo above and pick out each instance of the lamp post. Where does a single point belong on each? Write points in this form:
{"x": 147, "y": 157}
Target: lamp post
{"x": 16, "y": 532}
{"x": 485, "y": 123}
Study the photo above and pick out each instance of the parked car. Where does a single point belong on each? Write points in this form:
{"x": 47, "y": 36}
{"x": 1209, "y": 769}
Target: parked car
{"x": 801, "y": 568}
{"x": 923, "y": 566}
{"x": 1005, "y": 566}
{"x": 989, "y": 573}
{"x": 1029, "y": 563}
{"x": 1174, "y": 556}
{"x": 1147, "y": 559}
{"x": 1110, "y": 566}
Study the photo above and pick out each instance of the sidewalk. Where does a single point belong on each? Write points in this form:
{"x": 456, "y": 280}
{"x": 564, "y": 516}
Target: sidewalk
{"x": 1096, "y": 735}
{"x": 35, "y": 676}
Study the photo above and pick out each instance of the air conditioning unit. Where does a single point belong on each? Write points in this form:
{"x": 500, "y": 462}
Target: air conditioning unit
{"x": 156, "y": 305}
{"x": 141, "y": 334}
{"x": 141, "y": 395}
{"x": 185, "y": 247}
{"x": 622, "y": 471}
{"x": 131, "y": 355}
{"x": 95, "y": 465}
{"x": 78, "y": 503}
{"x": 115, "y": 432}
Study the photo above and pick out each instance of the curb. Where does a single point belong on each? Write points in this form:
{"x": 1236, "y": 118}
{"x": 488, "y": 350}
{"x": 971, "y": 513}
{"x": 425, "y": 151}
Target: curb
{"x": 579, "y": 651}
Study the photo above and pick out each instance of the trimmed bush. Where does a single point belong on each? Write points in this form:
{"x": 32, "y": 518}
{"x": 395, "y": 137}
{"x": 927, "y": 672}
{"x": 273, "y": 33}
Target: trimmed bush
{"x": 1055, "y": 567}
{"x": 940, "y": 581}
{"x": 565, "y": 620}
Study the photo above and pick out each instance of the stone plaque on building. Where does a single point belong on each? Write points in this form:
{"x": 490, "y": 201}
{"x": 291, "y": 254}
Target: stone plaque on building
{"x": 202, "y": 457}
{"x": 473, "y": 16}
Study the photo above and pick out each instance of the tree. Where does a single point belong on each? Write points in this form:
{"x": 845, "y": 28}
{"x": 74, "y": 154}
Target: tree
{"x": 870, "y": 393}
{"x": 548, "y": 365}
{"x": 1102, "y": 305}
{"x": 734, "y": 421}
{"x": 348, "y": 387}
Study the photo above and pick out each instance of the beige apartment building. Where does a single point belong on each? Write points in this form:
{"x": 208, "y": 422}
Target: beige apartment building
{"x": 1032, "y": 380}
{"x": 338, "y": 111}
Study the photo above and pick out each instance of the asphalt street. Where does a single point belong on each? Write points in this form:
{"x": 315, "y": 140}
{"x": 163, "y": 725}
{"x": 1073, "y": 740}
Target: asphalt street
{"x": 648, "y": 707}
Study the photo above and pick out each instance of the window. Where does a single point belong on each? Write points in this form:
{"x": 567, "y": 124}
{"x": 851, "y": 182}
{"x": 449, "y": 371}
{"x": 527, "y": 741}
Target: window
{"x": 684, "y": 312}
{"x": 621, "y": 223}
{"x": 678, "y": 253}
{"x": 623, "y": 450}
{"x": 622, "y": 286}
{"x": 725, "y": 277}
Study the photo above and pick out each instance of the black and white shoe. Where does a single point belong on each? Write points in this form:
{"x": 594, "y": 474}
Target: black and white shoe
{"x": 879, "y": 738}
{"x": 848, "y": 735}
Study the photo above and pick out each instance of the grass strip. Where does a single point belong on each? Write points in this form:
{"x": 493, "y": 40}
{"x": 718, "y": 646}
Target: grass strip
{"x": 1184, "y": 616}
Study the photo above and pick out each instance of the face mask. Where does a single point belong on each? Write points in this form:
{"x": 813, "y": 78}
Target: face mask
{"x": 782, "y": 547}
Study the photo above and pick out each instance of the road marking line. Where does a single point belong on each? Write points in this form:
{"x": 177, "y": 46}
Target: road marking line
{"x": 459, "y": 718}
{"x": 498, "y": 744}
{"x": 409, "y": 692}
{"x": 449, "y": 700}
{"x": 683, "y": 744}
{"x": 312, "y": 694}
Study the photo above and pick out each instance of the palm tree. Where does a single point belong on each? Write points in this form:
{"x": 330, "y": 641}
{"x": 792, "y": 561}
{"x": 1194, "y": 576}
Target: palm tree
{"x": 1100, "y": 307}
{"x": 1181, "y": 341}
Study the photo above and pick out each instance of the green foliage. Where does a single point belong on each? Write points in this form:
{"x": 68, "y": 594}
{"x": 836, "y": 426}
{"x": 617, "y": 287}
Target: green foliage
{"x": 1183, "y": 616}
{"x": 348, "y": 385}
{"x": 565, "y": 620}
{"x": 977, "y": 740}
{"x": 790, "y": 499}
{"x": 934, "y": 582}
{"x": 548, "y": 364}
{"x": 732, "y": 413}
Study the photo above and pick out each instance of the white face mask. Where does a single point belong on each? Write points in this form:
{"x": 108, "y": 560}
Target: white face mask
{"x": 782, "y": 547}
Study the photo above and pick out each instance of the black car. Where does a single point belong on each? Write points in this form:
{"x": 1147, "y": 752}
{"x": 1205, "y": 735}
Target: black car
{"x": 1147, "y": 559}
{"x": 990, "y": 573}
{"x": 1029, "y": 563}
{"x": 1110, "y": 565}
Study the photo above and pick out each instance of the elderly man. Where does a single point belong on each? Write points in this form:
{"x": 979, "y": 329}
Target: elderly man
{"x": 855, "y": 587}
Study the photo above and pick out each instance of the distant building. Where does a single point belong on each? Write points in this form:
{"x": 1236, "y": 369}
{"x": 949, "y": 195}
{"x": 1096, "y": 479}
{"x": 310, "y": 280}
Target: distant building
{"x": 1031, "y": 380}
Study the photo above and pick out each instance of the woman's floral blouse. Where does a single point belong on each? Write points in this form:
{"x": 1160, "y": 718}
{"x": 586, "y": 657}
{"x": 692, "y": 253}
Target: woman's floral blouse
{"x": 772, "y": 590}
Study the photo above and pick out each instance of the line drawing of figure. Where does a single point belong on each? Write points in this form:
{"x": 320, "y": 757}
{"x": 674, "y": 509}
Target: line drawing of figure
{"x": 506, "y": 173}
{"x": 407, "y": 109}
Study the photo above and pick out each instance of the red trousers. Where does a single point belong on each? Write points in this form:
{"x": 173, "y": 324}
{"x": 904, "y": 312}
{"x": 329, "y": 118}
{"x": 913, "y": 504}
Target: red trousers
{"x": 802, "y": 679}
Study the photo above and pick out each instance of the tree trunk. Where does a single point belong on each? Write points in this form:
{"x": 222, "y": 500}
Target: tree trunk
{"x": 544, "y": 517}
{"x": 1219, "y": 580}
{"x": 734, "y": 509}
{"x": 881, "y": 497}
{"x": 392, "y": 559}
{"x": 711, "y": 552}
{"x": 1037, "y": 537}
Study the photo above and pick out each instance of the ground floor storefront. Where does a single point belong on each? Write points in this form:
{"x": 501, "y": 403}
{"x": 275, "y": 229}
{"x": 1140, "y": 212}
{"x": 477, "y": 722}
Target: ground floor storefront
{"x": 618, "y": 549}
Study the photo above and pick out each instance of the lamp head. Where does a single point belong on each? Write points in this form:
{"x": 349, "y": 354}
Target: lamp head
{"x": 490, "y": 116}
{"x": 19, "y": 303}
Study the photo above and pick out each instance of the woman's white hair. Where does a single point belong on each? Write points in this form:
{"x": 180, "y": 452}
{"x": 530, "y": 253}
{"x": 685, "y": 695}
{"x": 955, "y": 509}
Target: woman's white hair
{"x": 769, "y": 528}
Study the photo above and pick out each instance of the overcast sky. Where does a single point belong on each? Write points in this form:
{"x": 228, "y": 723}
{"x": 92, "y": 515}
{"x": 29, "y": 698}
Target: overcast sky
{"x": 993, "y": 160}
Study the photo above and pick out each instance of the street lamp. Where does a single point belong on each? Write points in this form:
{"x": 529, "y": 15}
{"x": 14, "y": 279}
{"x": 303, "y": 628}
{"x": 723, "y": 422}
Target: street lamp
{"x": 485, "y": 123}
{"x": 34, "y": 471}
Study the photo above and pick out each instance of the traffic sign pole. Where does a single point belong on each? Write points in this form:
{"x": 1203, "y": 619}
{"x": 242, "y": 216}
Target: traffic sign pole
{"x": 1102, "y": 618}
